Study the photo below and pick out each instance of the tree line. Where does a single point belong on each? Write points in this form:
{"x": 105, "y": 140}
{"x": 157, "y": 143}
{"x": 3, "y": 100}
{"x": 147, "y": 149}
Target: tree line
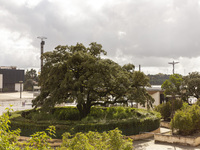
{"x": 158, "y": 79}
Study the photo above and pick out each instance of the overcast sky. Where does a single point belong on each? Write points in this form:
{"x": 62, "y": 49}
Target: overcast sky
{"x": 146, "y": 32}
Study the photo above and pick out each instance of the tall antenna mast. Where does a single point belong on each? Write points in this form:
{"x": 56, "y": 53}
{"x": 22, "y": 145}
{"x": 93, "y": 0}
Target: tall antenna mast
{"x": 173, "y": 64}
{"x": 42, "y": 48}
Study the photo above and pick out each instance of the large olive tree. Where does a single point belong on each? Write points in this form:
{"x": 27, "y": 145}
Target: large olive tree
{"x": 77, "y": 73}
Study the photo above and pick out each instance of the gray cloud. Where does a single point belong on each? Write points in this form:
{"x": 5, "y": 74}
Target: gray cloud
{"x": 144, "y": 32}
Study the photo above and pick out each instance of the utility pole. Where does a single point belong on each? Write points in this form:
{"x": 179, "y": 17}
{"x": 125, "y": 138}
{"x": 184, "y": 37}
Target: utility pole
{"x": 139, "y": 68}
{"x": 42, "y": 49}
{"x": 173, "y": 63}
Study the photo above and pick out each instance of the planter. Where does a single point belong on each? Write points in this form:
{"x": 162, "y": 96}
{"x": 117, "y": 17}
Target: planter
{"x": 183, "y": 140}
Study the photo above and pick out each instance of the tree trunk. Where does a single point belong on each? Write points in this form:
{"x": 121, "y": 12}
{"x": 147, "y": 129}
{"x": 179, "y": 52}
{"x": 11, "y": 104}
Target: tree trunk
{"x": 83, "y": 109}
{"x": 173, "y": 111}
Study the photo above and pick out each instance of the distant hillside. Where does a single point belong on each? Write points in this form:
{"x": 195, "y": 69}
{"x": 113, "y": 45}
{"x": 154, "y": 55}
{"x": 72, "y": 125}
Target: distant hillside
{"x": 158, "y": 79}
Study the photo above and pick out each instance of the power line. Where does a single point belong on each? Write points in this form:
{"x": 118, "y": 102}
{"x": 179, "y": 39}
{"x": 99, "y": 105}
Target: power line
{"x": 173, "y": 64}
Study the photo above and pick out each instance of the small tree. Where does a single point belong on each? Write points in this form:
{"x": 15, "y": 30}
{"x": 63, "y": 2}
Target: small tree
{"x": 172, "y": 87}
{"x": 31, "y": 78}
{"x": 186, "y": 121}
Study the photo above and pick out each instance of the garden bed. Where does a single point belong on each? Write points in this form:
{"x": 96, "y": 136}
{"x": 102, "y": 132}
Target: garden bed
{"x": 129, "y": 120}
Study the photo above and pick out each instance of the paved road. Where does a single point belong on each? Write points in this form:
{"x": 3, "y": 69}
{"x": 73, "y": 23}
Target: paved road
{"x": 7, "y": 99}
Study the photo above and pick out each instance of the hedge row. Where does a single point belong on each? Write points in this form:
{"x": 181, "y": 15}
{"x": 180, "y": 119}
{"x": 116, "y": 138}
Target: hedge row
{"x": 142, "y": 121}
{"x": 128, "y": 127}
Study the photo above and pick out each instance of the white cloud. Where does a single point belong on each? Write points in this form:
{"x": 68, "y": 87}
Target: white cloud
{"x": 121, "y": 34}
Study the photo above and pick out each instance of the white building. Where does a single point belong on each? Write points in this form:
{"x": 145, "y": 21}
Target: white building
{"x": 157, "y": 94}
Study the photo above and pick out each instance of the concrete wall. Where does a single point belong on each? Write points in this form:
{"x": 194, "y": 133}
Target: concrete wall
{"x": 184, "y": 140}
{"x": 144, "y": 135}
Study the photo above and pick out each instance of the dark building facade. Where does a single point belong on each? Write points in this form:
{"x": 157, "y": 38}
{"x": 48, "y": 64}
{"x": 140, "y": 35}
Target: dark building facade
{"x": 11, "y": 77}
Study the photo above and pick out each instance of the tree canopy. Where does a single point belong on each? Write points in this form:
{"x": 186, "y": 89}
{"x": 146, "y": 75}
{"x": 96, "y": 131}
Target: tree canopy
{"x": 31, "y": 78}
{"x": 192, "y": 84}
{"x": 172, "y": 86}
{"x": 77, "y": 73}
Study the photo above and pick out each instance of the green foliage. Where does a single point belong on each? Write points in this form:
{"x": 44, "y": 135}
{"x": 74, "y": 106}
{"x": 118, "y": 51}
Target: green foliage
{"x": 37, "y": 115}
{"x": 8, "y": 137}
{"x": 31, "y": 78}
{"x": 69, "y": 113}
{"x": 165, "y": 109}
{"x": 129, "y": 120}
{"x": 186, "y": 121}
{"x": 40, "y": 140}
{"x": 113, "y": 140}
{"x": 192, "y": 84}
{"x": 172, "y": 86}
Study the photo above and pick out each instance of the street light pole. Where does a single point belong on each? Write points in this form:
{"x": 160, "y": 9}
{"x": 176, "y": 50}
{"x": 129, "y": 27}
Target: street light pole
{"x": 42, "y": 49}
{"x": 20, "y": 82}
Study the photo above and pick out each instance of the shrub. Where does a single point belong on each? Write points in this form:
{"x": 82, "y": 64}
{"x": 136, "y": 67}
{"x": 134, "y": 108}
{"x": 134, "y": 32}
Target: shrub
{"x": 66, "y": 113}
{"x": 186, "y": 121}
{"x": 112, "y": 140}
{"x": 39, "y": 140}
{"x": 165, "y": 109}
{"x": 7, "y": 137}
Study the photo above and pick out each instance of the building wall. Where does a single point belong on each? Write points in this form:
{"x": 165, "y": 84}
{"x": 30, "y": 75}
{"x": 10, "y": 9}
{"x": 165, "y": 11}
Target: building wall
{"x": 156, "y": 97}
{"x": 1, "y": 82}
{"x": 10, "y": 78}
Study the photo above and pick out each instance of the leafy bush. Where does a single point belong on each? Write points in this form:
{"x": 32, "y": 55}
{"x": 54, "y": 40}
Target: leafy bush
{"x": 110, "y": 113}
{"x": 187, "y": 120}
{"x": 66, "y": 113}
{"x": 97, "y": 112}
{"x": 112, "y": 140}
{"x": 165, "y": 109}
